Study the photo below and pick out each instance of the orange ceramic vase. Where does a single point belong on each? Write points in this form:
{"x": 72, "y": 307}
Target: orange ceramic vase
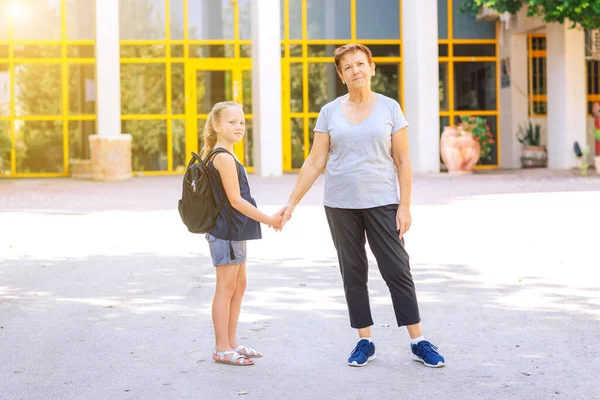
{"x": 460, "y": 152}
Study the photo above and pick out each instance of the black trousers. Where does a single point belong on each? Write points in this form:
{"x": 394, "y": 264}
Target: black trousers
{"x": 348, "y": 229}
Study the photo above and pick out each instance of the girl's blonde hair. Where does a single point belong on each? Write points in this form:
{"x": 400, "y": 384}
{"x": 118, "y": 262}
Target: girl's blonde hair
{"x": 210, "y": 135}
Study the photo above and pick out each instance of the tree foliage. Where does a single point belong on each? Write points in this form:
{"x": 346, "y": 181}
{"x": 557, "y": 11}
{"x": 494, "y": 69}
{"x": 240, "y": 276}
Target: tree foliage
{"x": 582, "y": 12}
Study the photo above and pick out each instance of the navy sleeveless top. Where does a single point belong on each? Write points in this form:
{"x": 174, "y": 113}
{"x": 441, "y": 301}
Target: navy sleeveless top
{"x": 242, "y": 227}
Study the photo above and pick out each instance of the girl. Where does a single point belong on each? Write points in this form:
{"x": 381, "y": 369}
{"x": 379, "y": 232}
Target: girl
{"x": 238, "y": 221}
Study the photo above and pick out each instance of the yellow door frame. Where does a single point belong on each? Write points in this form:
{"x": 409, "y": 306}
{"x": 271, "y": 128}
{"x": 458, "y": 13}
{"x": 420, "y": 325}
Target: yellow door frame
{"x": 236, "y": 66}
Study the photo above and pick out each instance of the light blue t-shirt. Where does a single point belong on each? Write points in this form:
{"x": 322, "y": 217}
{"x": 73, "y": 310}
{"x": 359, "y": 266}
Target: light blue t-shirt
{"x": 360, "y": 169}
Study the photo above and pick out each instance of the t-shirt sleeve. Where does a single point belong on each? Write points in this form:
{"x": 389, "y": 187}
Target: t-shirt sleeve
{"x": 398, "y": 118}
{"x": 322, "y": 124}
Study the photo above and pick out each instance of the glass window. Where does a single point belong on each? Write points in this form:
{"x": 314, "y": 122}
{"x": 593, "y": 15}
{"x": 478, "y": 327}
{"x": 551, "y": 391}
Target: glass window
{"x": 179, "y": 155}
{"x": 295, "y": 19}
{"x": 37, "y": 51}
{"x": 44, "y": 15}
{"x": 148, "y": 144}
{"x": 282, "y": 21}
{"x": 5, "y": 162}
{"x": 213, "y": 87}
{"x": 82, "y": 89}
{"x": 212, "y": 50}
{"x": 324, "y": 85}
{"x": 474, "y": 50}
{"x": 81, "y": 19}
{"x": 143, "y": 51}
{"x": 443, "y": 19}
{"x": 443, "y": 50}
{"x": 296, "y": 87}
{"x": 4, "y": 7}
{"x": 245, "y": 19}
{"x": 443, "y": 86}
{"x": 328, "y": 19}
{"x": 593, "y": 74}
{"x": 39, "y": 146}
{"x": 378, "y": 22}
{"x": 475, "y": 86}
{"x": 143, "y": 89}
{"x": 142, "y": 19}
{"x": 201, "y": 123}
{"x": 176, "y": 22}
{"x": 210, "y": 19}
{"x": 81, "y": 51}
{"x": 385, "y": 80}
{"x": 465, "y": 26}
{"x": 79, "y": 144}
{"x": 177, "y": 88}
{"x": 248, "y": 145}
{"x": 297, "y": 133}
{"x": 247, "y": 91}
{"x": 4, "y": 90}
{"x": 38, "y": 89}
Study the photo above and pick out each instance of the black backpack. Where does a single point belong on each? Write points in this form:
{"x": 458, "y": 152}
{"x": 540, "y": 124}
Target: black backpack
{"x": 197, "y": 206}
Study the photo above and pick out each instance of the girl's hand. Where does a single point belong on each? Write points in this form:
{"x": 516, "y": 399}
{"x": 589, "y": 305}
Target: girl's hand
{"x": 276, "y": 220}
{"x": 403, "y": 220}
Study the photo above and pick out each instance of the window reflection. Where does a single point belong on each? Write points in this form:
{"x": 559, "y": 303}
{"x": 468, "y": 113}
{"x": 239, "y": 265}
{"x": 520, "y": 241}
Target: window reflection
{"x": 380, "y": 22}
{"x": 475, "y": 86}
{"x": 324, "y": 85}
{"x": 44, "y": 15}
{"x": 142, "y": 19}
{"x": 328, "y": 19}
{"x": 210, "y": 19}
{"x": 39, "y": 146}
{"x": 81, "y": 19}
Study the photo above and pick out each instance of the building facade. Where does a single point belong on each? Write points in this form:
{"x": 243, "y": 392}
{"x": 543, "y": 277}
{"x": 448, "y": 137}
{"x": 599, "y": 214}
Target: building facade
{"x": 71, "y": 70}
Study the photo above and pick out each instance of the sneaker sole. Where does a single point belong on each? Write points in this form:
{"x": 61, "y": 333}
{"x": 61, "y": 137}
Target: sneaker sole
{"x": 355, "y": 364}
{"x": 439, "y": 365}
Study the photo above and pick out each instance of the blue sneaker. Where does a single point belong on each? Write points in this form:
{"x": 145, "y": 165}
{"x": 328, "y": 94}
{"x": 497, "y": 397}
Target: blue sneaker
{"x": 362, "y": 353}
{"x": 427, "y": 353}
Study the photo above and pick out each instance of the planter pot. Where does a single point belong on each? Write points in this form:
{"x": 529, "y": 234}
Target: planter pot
{"x": 597, "y": 164}
{"x": 459, "y": 151}
{"x": 534, "y": 157}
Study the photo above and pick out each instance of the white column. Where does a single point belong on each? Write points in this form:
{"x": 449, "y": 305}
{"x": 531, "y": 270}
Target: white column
{"x": 566, "y": 94}
{"x": 266, "y": 87}
{"x": 108, "y": 68}
{"x": 110, "y": 150}
{"x": 421, "y": 76}
{"x": 513, "y": 99}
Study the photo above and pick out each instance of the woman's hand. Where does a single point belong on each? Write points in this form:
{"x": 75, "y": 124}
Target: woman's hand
{"x": 276, "y": 220}
{"x": 287, "y": 212}
{"x": 403, "y": 220}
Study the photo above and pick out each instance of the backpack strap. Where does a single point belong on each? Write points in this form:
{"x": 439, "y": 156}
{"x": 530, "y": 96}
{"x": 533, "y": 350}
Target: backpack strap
{"x": 211, "y": 155}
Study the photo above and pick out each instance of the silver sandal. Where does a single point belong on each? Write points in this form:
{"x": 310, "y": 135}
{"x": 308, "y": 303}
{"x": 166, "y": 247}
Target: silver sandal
{"x": 236, "y": 358}
{"x": 248, "y": 352}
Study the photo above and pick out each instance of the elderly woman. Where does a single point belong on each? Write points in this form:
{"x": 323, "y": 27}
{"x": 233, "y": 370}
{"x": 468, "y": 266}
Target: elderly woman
{"x": 361, "y": 140}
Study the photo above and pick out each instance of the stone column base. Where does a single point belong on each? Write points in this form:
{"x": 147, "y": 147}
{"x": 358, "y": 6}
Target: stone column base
{"x": 111, "y": 157}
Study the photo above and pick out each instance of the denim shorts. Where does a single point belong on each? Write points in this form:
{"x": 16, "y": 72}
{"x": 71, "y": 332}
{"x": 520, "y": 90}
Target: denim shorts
{"x": 221, "y": 253}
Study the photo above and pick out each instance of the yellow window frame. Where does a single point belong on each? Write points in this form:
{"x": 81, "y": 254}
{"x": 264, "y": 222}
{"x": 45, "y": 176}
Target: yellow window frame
{"x": 64, "y": 61}
{"x": 452, "y": 113}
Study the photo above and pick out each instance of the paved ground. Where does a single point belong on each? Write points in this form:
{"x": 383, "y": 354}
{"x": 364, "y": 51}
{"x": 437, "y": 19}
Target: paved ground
{"x": 104, "y": 295}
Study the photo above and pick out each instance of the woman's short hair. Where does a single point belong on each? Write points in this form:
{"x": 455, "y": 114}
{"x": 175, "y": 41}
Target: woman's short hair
{"x": 350, "y": 48}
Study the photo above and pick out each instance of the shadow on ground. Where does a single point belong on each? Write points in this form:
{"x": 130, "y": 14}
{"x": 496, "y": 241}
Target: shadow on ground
{"x": 139, "y": 326}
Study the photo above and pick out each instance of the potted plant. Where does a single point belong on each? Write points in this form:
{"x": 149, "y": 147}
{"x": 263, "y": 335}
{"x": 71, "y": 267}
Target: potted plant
{"x": 534, "y": 153}
{"x": 463, "y": 146}
{"x": 5, "y": 147}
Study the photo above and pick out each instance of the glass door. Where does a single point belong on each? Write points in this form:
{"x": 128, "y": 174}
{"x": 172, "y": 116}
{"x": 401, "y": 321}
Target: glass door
{"x": 211, "y": 81}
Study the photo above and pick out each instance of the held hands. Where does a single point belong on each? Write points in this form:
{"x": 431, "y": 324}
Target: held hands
{"x": 279, "y": 219}
{"x": 403, "y": 220}
{"x": 276, "y": 220}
